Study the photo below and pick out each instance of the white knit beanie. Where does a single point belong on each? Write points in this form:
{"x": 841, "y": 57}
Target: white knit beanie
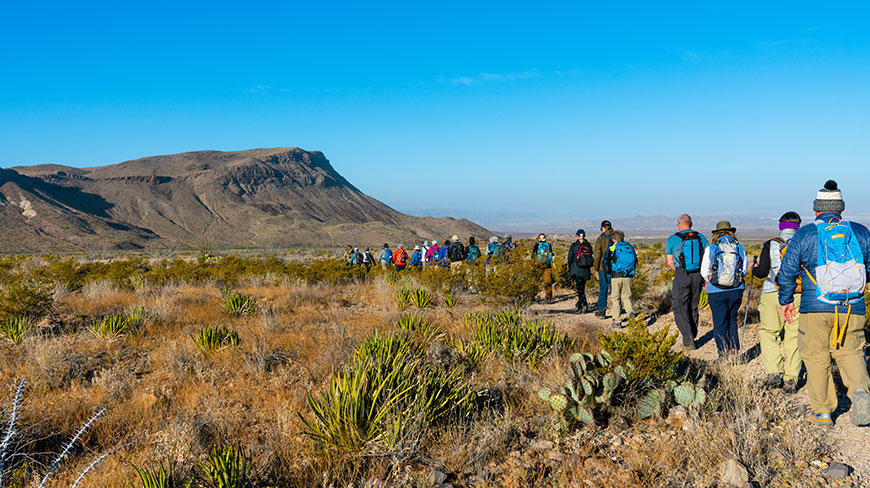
{"x": 829, "y": 199}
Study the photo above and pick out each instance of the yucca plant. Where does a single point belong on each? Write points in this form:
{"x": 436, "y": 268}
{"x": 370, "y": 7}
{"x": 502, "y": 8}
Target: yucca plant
{"x": 238, "y": 304}
{"x": 417, "y": 323}
{"x": 214, "y": 338}
{"x": 112, "y": 325}
{"x": 403, "y": 298}
{"x": 703, "y": 301}
{"x": 226, "y": 467}
{"x": 14, "y": 329}
{"x": 160, "y": 478}
{"x": 421, "y": 298}
{"x": 450, "y": 301}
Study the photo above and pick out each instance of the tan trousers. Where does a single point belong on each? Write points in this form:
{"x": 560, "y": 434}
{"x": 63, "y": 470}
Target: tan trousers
{"x": 547, "y": 281}
{"x": 778, "y": 338}
{"x": 814, "y": 344}
{"x": 620, "y": 289}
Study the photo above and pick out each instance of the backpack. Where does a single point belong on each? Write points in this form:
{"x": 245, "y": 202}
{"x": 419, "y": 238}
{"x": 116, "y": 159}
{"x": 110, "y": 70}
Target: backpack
{"x": 417, "y": 258}
{"x": 357, "y": 258}
{"x": 840, "y": 269}
{"x": 692, "y": 262}
{"x": 493, "y": 249}
{"x": 388, "y": 255}
{"x": 473, "y": 254}
{"x": 544, "y": 255}
{"x": 726, "y": 267}
{"x": 783, "y": 245}
{"x": 456, "y": 252}
{"x": 400, "y": 256}
{"x": 584, "y": 256}
{"x": 624, "y": 258}
{"x": 368, "y": 258}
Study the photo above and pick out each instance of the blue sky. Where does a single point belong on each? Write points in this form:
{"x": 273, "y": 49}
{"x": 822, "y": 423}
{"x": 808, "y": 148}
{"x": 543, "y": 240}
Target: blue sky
{"x": 564, "y": 111}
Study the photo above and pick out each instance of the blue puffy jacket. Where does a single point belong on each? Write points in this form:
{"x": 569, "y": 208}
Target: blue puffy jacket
{"x": 802, "y": 253}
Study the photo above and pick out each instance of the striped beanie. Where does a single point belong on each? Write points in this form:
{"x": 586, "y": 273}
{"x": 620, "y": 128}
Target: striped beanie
{"x": 829, "y": 199}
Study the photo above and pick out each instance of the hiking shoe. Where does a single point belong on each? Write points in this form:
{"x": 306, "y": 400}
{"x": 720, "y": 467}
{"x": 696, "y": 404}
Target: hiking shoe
{"x": 773, "y": 380}
{"x": 690, "y": 347}
{"x": 860, "y": 408}
{"x": 790, "y": 387}
{"x": 822, "y": 418}
{"x": 600, "y": 314}
{"x": 632, "y": 315}
{"x": 618, "y": 325}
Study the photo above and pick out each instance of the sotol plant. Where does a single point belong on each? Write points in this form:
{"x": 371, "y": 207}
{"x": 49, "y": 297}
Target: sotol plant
{"x": 403, "y": 298}
{"x": 226, "y": 467}
{"x": 214, "y": 338}
{"x": 14, "y": 329}
{"x": 421, "y": 298}
{"x": 238, "y": 304}
{"x": 162, "y": 477}
{"x": 450, "y": 301}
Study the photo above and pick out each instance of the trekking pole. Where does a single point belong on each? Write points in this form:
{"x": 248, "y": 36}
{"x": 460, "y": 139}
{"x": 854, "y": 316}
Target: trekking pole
{"x": 746, "y": 310}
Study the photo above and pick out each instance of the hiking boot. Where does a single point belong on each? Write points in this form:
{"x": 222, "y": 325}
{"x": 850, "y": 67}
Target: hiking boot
{"x": 860, "y": 408}
{"x": 773, "y": 380}
{"x": 690, "y": 347}
{"x": 618, "y": 325}
{"x": 600, "y": 314}
{"x": 790, "y": 387}
{"x": 822, "y": 418}
{"x": 632, "y": 315}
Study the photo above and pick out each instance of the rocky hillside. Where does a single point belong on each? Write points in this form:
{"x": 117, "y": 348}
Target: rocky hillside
{"x": 247, "y": 199}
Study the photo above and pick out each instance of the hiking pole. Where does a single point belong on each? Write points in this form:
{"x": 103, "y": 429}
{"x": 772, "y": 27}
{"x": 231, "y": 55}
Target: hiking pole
{"x": 746, "y": 310}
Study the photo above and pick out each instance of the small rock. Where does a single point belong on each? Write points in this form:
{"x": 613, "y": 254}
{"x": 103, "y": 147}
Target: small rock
{"x": 592, "y": 464}
{"x": 676, "y": 417}
{"x": 837, "y": 470}
{"x": 689, "y": 426}
{"x": 514, "y": 454}
{"x": 557, "y": 456}
{"x": 444, "y": 485}
{"x": 541, "y": 445}
{"x": 801, "y": 464}
{"x": 437, "y": 477}
{"x": 731, "y": 472}
{"x": 819, "y": 464}
{"x": 616, "y": 441}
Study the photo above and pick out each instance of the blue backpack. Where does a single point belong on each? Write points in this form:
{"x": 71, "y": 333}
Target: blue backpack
{"x": 840, "y": 269}
{"x": 493, "y": 249}
{"x": 624, "y": 258}
{"x": 473, "y": 254}
{"x": 690, "y": 251}
{"x": 545, "y": 255}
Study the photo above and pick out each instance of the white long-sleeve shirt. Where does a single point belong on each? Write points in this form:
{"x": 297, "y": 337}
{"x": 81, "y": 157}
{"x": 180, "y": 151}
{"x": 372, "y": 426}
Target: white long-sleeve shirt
{"x": 707, "y": 268}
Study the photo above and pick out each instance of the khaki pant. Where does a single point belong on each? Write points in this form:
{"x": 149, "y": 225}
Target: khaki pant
{"x": 814, "y": 344}
{"x": 778, "y": 338}
{"x": 547, "y": 281}
{"x": 620, "y": 288}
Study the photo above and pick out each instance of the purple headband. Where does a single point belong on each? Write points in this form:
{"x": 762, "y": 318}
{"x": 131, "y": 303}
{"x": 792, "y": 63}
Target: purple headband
{"x": 789, "y": 225}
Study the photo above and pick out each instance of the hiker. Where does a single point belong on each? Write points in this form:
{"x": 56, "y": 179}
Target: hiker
{"x": 832, "y": 252}
{"x": 456, "y": 252}
{"x": 443, "y": 260}
{"x": 493, "y": 251}
{"x": 357, "y": 259}
{"x": 542, "y": 253}
{"x": 775, "y": 332}
{"x": 603, "y": 242}
{"x": 348, "y": 255}
{"x": 368, "y": 260}
{"x": 431, "y": 256}
{"x": 579, "y": 264}
{"x": 400, "y": 258}
{"x": 620, "y": 261}
{"x": 416, "y": 257}
{"x": 683, "y": 253}
{"x": 423, "y": 252}
{"x": 472, "y": 252}
{"x": 724, "y": 268}
{"x": 508, "y": 243}
{"x": 385, "y": 257}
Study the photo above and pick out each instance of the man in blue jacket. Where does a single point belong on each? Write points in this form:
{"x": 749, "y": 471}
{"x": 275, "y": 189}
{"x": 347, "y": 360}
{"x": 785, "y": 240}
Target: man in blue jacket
{"x": 829, "y": 328}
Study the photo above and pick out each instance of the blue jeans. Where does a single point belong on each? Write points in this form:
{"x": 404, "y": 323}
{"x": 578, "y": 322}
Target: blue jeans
{"x": 603, "y": 290}
{"x": 724, "y": 306}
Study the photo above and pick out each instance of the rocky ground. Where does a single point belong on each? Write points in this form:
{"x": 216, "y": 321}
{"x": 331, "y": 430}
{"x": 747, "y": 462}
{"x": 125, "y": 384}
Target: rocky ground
{"x": 851, "y": 444}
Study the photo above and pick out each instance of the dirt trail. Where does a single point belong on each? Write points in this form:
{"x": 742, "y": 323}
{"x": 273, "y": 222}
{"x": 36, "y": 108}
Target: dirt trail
{"x": 852, "y": 443}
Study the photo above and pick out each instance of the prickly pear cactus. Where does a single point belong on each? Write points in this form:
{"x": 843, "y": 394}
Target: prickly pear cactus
{"x": 651, "y": 405}
{"x": 559, "y": 402}
{"x": 544, "y": 394}
{"x": 581, "y": 414}
{"x": 685, "y": 395}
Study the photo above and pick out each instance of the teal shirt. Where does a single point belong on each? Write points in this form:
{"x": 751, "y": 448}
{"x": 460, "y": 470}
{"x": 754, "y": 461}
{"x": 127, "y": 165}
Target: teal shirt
{"x": 674, "y": 242}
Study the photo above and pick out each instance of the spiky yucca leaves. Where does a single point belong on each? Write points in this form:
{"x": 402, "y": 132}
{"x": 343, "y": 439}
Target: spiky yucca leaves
{"x": 421, "y": 298}
{"x": 14, "y": 329}
{"x": 516, "y": 338}
{"x": 214, "y": 338}
{"x": 704, "y": 301}
{"x": 403, "y": 298}
{"x": 161, "y": 477}
{"x": 450, "y": 301}
{"x": 417, "y": 323}
{"x": 382, "y": 395}
{"x": 226, "y": 467}
{"x": 238, "y": 304}
{"x": 112, "y": 325}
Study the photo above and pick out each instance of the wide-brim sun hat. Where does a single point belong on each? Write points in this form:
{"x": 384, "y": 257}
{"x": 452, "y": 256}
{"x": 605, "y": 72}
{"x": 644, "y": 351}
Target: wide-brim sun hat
{"x": 493, "y": 239}
{"x": 454, "y": 238}
{"x": 724, "y": 226}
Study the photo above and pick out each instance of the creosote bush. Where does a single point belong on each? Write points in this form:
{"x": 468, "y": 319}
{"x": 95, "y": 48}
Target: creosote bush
{"x": 30, "y": 300}
{"x": 514, "y": 282}
{"x": 641, "y": 352}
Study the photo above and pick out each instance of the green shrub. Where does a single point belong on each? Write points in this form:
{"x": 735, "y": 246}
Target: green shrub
{"x": 14, "y": 329}
{"x": 33, "y": 301}
{"x": 238, "y": 304}
{"x": 509, "y": 334}
{"x": 515, "y": 281}
{"x": 639, "y": 284}
{"x": 160, "y": 478}
{"x": 640, "y": 352}
{"x": 215, "y": 338}
{"x": 226, "y": 467}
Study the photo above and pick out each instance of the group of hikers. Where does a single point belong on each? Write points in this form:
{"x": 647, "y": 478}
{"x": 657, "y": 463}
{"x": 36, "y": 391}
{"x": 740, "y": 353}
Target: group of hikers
{"x": 812, "y": 298}
{"x": 451, "y": 253}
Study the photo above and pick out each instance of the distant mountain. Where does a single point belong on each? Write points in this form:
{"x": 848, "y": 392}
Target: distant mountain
{"x": 246, "y": 199}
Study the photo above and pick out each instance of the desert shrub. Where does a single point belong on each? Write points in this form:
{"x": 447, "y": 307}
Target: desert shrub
{"x": 421, "y": 298}
{"x": 33, "y": 301}
{"x": 237, "y": 304}
{"x": 515, "y": 281}
{"x": 215, "y": 338}
{"x": 417, "y": 323}
{"x": 642, "y": 353}
{"x": 333, "y": 272}
{"x": 385, "y": 397}
{"x": 162, "y": 477}
{"x": 446, "y": 279}
{"x": 226, "y": 467}
{"x": 664, "y": 277}
{"x": 14, "y": 329}
{"x": 639, "y": 284}
{"x": 511, "y": 335}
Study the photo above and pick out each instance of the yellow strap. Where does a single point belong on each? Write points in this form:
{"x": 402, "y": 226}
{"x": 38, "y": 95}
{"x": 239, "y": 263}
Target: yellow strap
{"x": 845, "y": 326}
{"x": 809, "y": 275}
{"x": 835, "y": 333}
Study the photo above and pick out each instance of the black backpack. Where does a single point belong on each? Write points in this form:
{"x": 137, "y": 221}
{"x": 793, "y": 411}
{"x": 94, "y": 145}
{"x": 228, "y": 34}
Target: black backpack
{"x": 456, "y": 252}
{"x": 584, "y": 255}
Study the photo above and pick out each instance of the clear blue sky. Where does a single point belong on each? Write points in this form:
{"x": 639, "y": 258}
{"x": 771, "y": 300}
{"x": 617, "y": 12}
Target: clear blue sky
{"x": 570, "y": 110}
